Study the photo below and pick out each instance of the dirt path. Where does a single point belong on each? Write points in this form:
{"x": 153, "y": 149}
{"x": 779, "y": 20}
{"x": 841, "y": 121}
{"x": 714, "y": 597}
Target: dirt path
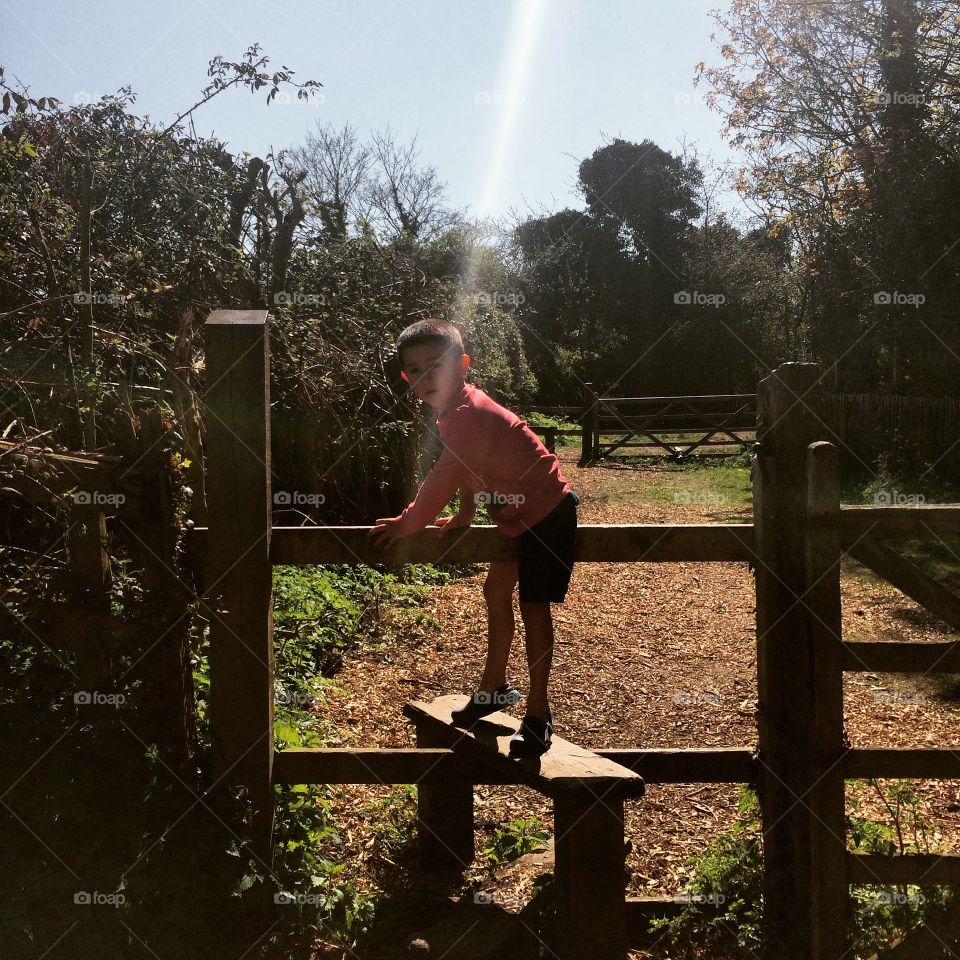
{"x": 647, "y": 655}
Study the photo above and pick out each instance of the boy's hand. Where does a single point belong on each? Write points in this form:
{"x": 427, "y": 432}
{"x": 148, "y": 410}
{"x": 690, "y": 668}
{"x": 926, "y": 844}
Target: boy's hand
{"x": 447, "y": 524}
{"x": 386, "y": 532}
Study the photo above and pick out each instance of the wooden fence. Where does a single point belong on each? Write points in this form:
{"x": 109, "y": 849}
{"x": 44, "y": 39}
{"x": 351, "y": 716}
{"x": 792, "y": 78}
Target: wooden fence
{"x": 795, "y": 545}
{"x": 677, "y": 426}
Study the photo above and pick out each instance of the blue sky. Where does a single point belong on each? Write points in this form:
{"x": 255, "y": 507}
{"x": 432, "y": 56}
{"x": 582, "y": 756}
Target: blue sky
{"x": 505, "y": 96}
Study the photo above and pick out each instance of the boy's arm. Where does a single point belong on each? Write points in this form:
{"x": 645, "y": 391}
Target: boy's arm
{"x": 436, "y": 491}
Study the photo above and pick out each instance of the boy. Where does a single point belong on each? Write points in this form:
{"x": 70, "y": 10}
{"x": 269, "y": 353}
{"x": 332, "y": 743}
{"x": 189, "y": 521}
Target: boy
{"x": 491, "y": 456}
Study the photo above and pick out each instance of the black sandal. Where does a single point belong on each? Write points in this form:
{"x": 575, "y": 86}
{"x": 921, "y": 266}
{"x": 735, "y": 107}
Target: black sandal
{"x": 533, "y": 737}
{"x": 484, "y": 702}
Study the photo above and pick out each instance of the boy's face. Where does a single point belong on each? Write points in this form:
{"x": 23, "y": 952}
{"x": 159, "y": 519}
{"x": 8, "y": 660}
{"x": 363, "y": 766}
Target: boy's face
{"x": 434, "y": 372}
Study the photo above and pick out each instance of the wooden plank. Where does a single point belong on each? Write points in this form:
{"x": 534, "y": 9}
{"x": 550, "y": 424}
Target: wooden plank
{"x": 900, "y": 656}
{"x": 687, "y": 765}
{"x": 923, "y": 522}
{"x": 902, "y": 763}
{"x": 409, "y": 765}
{"x": 917, "y": 868}
{"x": 589, "y": 877}
{"x": 787, "y": 424}
{"x": 680, "y": 422}
{"x": 603, "y": 543}
{"x": 824, "y": 624}
{"x": 444, "y": 813}
{"x": 564, "y": 767}
{"x": 910, "y": 579}
{"x": 362, "y": 765}
{"x": 695, "y": 398}
{"x": 238, "y": 597}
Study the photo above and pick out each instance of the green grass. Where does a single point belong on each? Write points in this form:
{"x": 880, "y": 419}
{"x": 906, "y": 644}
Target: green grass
{"x": 720, "y": 485}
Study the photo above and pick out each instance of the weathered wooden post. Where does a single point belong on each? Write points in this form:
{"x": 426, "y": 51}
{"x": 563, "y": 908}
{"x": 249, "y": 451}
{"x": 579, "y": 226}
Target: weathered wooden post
{"x": 591, "y": 908}
{"x": 800, "y": 712}
{"x": 828, "y": 744}
{"x": 589, "y": 419}
{"x": 444, "y": 815}
{"x": 238, "y": 576}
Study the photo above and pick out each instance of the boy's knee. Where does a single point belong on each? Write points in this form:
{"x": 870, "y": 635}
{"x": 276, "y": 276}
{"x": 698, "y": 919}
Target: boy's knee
{"x": 531, "y": 610}
{"x": 498, "y": 590}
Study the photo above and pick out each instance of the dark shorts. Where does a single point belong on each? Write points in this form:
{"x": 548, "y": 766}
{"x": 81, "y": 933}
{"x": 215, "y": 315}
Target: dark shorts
{"x": 545, "y": 554}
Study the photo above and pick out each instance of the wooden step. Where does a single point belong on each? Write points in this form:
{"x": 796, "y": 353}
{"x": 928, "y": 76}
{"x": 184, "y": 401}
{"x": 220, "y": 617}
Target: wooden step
{"x": 565, "y": 767}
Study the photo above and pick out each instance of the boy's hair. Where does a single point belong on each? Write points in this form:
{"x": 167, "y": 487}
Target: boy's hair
{"x": 430, "y": 331}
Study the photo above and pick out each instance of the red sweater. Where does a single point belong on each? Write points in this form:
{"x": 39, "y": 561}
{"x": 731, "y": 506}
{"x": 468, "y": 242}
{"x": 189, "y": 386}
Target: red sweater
{"x": 491, "y": 451}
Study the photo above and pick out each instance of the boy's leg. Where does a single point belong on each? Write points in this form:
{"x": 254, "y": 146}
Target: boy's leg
{"x": 538, "y": 626}
{"x": 498, "y": 593}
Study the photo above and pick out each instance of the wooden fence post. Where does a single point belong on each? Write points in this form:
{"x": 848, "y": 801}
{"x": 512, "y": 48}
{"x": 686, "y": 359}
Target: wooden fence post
{"x": 444, "y": 816}
{"x": 239, "y": 571}
{"x": 830, "y": 890}
{"x": 588, "y": 420}
{"x": 789, "y": 715}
